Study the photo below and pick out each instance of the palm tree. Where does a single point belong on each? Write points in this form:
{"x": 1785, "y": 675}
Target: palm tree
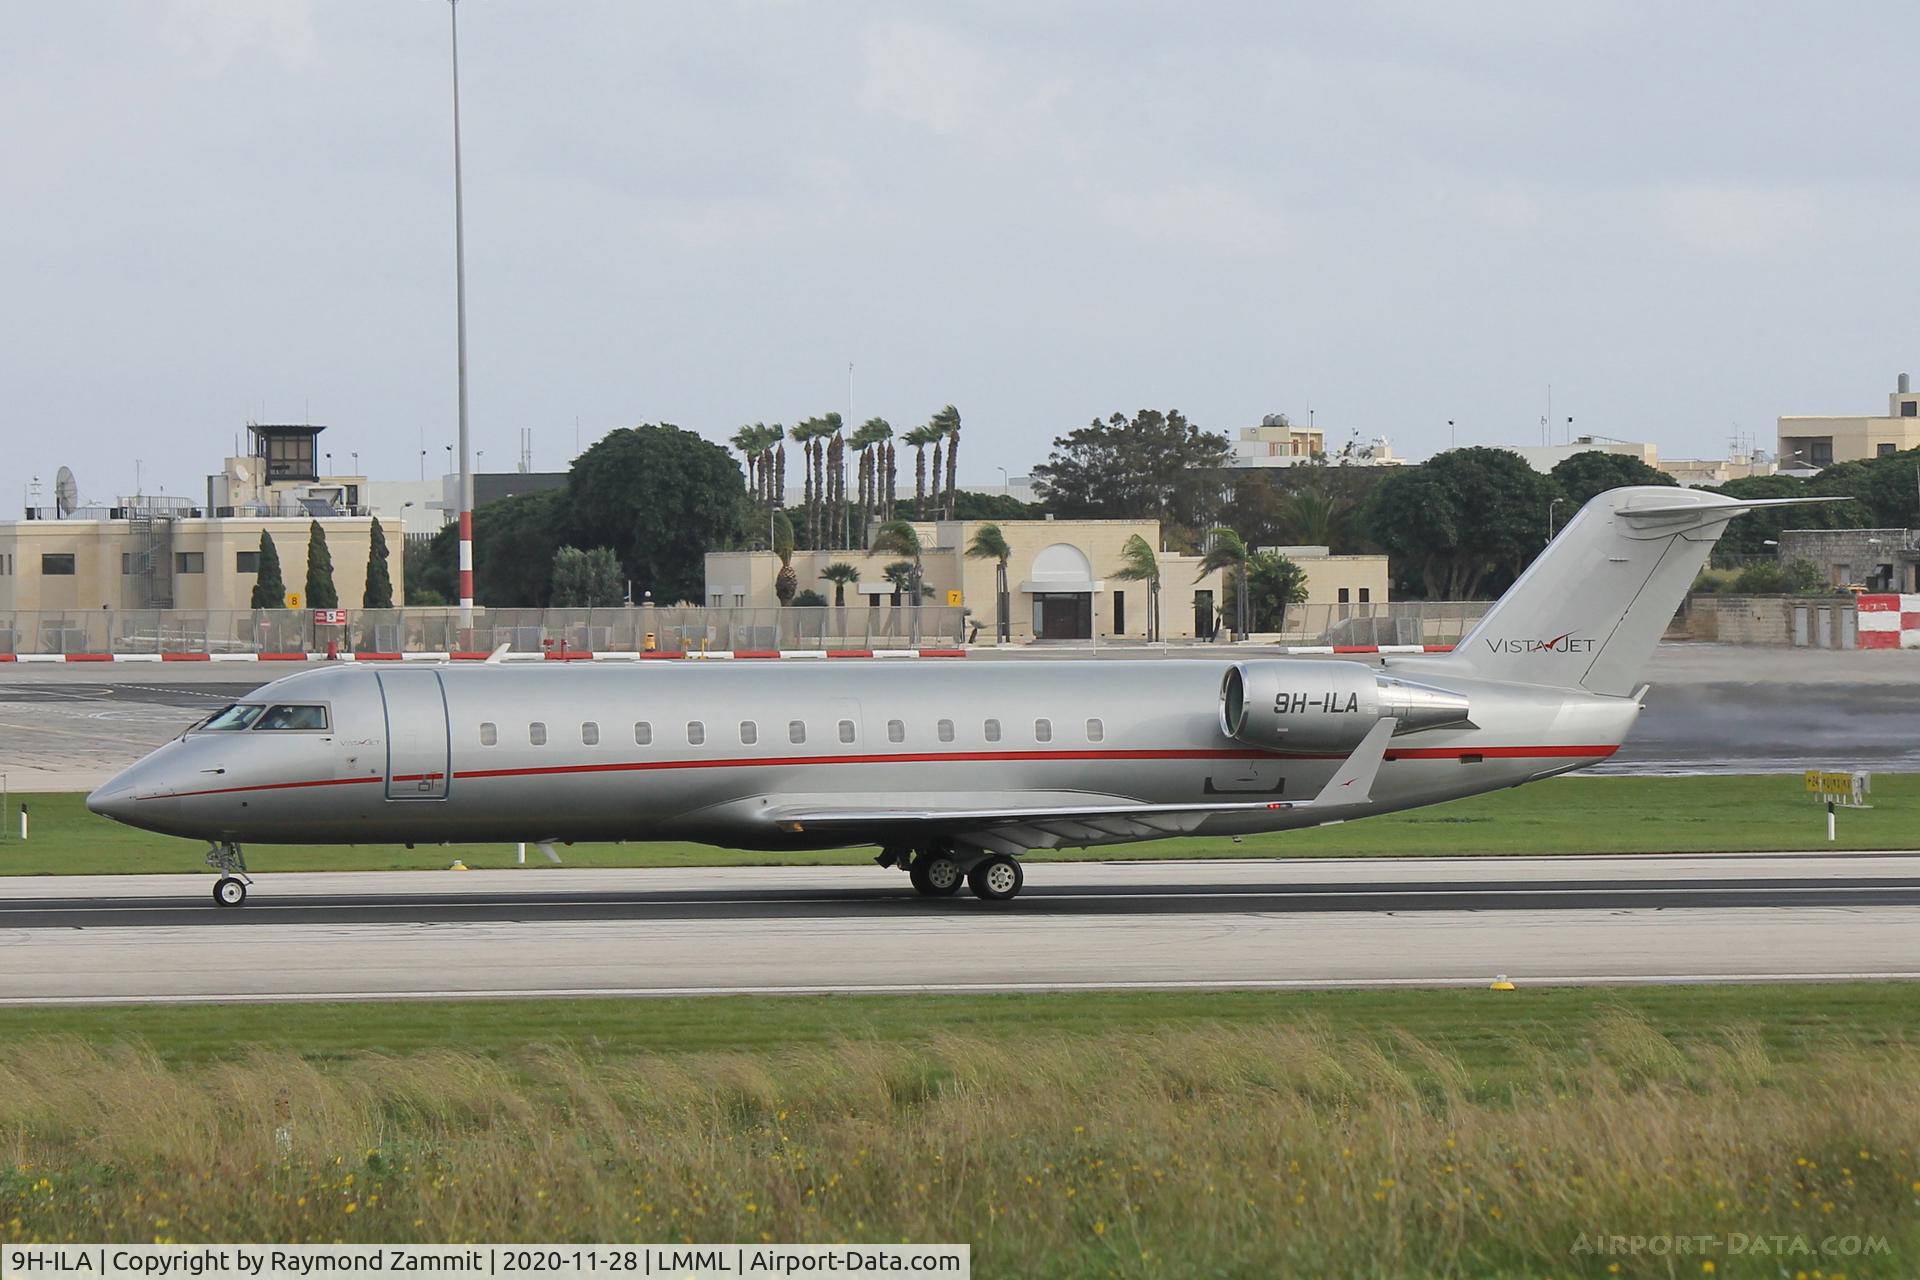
{"x": 807, "y": 434}
{"x": 920, "y": 438}
{"x": 903, "y": 576}
{"x": 1228, "y": 552}
{"x": 989, "y": 543}
{"x": 889, "y": 467}
{"x": 897, "y": 538}
{"x": 1139, "y": 564}
{"x": 947, "y": 422}
{"x": 785, "y": 583}
{"x": 833, "y": 507}
{"x": 747, "y": 441}
{"x": 769, "y": 438}
{"x": 1312, "y": 517}
{"x": 840, "y": 574}
{"x": 870, "y": 443}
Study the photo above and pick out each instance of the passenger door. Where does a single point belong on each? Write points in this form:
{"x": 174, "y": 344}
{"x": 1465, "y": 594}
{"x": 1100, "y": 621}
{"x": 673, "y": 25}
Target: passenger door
{"x": 418, "y": 749}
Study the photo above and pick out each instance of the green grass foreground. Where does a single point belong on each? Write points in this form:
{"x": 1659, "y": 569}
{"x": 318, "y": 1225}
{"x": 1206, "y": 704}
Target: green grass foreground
{"x": 1338, "y": 1133}
{"x": 1562, "y": 815}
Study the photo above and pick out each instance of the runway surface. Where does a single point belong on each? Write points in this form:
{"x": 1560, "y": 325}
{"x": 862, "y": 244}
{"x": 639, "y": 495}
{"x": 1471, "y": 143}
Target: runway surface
{"x": 1713, "y": 709}
{"x": 1302, "y": 923}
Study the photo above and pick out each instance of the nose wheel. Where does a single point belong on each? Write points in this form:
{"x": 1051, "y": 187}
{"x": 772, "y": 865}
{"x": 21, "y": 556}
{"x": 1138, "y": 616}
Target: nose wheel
{"x": 230, "y": 890}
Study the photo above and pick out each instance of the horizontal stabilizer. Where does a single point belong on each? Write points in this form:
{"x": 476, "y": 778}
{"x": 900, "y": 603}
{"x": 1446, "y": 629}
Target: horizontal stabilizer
{"x": 1352, "y": 782}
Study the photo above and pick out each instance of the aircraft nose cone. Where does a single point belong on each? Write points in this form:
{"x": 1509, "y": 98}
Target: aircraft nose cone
{"x": 113, "y": 800}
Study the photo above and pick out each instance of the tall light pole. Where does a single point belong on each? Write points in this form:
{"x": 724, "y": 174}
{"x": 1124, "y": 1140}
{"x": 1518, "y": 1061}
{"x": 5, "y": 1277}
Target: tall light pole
{"x": 460, "y": 313}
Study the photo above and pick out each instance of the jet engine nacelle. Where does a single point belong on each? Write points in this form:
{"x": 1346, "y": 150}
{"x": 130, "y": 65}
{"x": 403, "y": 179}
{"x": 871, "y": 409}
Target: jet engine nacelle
{"x": 1326, "y": 706}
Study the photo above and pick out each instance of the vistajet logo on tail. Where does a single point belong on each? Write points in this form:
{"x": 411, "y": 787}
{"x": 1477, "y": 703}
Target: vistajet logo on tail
{"x": 1566, "y": 643}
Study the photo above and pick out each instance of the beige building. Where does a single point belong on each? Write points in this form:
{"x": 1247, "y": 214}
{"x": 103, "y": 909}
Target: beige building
{"x": 140, "y": 558}
{"x": 1811, "y": 443}
{"x": 1061, "y": 579}
{"x": 1545, "y": 457}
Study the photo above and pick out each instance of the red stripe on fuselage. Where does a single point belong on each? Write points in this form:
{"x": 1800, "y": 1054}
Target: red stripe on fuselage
{"x": 927, "y": 757}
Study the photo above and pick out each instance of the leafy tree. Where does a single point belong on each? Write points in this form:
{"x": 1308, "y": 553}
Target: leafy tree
{"x": 1768, "y": 577}
{"x": 969, "y": 505}
{"x": 786, "y": 582}
{"x": 660, "y": 498}
{"x": 1749, "y": 534}
{"x": 514, "y": 541}
{"x": 842, "y": 575}
{"x": 1139, "y": 564}
{"x": 1885, "y": 493}
{"x": 269, "y": 589}
{"x": 1229, "y": 553}
{"x": 989, "y": 543}
{"x": 430, "y": 567}
{"x": 379, "y": 592}
{"x": 1318, "y": 503}
{"x": 1590, "y": 472}
{"x": 1466, "y": 522}
{"x": 320, "y": 591}
{"x": 586, "y": 579}
{"x": 809, "y": 599}
{"x": 1273, "y": 583}
{"x": 1154, "y": 466}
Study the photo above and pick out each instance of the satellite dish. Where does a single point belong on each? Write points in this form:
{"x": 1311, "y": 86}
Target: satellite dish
{"x": 66, "y": 493}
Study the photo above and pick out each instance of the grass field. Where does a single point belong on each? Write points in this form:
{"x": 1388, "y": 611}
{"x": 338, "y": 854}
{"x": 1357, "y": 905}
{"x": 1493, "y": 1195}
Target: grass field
{"x": 1564, "y": 815}
{"x": 1338, "y": 1133}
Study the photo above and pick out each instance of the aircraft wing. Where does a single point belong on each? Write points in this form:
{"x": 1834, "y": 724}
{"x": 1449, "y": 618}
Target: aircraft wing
{"x": 1053, "y": 825}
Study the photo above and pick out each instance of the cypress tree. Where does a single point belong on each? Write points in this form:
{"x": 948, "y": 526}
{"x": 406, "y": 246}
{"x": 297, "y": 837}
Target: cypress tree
{"x": 269, "y": 589}
{"x": 320, "y": 592}
{"x": 379, "y": 594}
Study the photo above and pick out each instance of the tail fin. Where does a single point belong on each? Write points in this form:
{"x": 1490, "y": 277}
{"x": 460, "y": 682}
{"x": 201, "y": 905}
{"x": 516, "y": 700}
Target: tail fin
{"x": 1589, "y": 610}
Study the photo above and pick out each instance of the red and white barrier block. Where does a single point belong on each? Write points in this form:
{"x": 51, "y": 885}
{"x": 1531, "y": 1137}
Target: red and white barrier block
{"x": 1889, "y": 622}
{"x": 551, "y": 655}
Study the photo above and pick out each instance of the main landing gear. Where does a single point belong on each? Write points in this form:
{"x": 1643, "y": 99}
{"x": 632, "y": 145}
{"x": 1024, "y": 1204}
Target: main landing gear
{"x": 937, "y": 870}
{"x": 230, "y": 890}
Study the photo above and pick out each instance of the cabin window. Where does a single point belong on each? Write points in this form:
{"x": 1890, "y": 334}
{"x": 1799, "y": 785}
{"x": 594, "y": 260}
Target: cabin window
{"x": 993, "y": 730}
{"x": 796, "y": 731}
{"x": 489, "y": 733}
{"x": 896, "y": 731}
{"x": 55, "y": 564}
{"x": 696, "y": 733}
{"x": 1096, "y": 732}
{"x": 537, "y": 734}
{"x": 945, "y": 730}
{"x": 293, "y": 717}
{"x": 1043, "y": 731}
{"x": 589, "y": 734}
{"x": 642, "y": 733}
{"x": 846, "y": 731}
{"x": 237, "y": 716}
{"x": 749, "y": 733}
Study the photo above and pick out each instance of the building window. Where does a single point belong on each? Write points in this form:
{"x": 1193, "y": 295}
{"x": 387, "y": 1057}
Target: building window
{"x": 642, "y": 734}
{"x": 246, "y": 562}
{"x": 126, "y": 562}
{"x": 1820, "y": 452}
{"x": 1119, "y": 613}
{"x": 1909, "y": 408}
{"x": 489, "y": 733}
{"x": 1884, "y": 451}
{"x": 189, "y": 562}
{"x": 56, "y": 565}
{"x": 896, "y": 731}
{"x": 537, "y": 734}
{"x": 846, "y": 731}
{"x": 1366, "y": 595}
{"x": 1096, "y": 732}
{"x": 992, "y": 730}
{"x": 1345, "y": 595}
{"x": 1043, "y": 731}
{"x": 749, "y": 733}
{"x": 696, "y": 733}
{"x": 796, "y": 731}
{"x": 945, "y": 730}
{"x": 589, "y": 734}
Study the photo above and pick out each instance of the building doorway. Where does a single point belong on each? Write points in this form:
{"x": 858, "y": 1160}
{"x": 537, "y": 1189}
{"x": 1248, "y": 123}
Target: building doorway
{"x": 1063, "y": 615}
{"x": 1203, "y": 615}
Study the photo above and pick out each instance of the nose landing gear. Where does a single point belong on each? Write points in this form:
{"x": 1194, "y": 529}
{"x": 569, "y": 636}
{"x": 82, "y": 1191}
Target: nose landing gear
{"x": 230, "y": 890}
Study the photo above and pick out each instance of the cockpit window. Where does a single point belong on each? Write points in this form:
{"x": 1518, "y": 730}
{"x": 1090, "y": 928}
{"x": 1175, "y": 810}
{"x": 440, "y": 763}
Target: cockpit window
{"x": 292, "y": 716}
{"x": 238, "y": 716}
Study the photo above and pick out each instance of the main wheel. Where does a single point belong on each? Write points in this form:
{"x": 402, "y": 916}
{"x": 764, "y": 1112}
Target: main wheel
{"x": 936, "y": 875}
{"x": 997, "y": 879}
{"x": 228, "y": 891}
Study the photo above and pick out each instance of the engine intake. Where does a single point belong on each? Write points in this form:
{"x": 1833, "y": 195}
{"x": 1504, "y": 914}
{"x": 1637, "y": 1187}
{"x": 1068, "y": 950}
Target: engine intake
{"x": 1326, "y": 706}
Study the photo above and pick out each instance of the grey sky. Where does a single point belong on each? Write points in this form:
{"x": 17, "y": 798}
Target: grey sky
{"x": 1682, "y": 216}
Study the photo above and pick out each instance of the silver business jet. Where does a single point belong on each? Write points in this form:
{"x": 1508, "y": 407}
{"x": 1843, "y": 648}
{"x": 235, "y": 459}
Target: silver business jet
{"x": 954, "y": 769}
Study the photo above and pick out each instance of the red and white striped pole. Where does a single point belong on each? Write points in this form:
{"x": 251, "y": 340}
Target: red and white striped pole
{"x": 460, "y": 311}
